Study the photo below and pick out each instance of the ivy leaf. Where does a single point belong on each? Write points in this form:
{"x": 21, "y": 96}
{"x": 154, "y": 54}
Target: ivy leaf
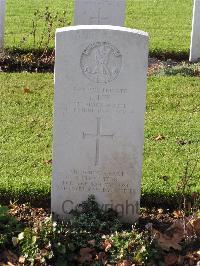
{"x": 21, "y": 236}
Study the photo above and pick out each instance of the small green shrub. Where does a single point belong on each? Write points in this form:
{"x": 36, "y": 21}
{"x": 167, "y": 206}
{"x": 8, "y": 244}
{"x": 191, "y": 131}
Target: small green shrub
{"x": 8, "y": 227}
{"x": 89, "y": 217}
{"x": 133, "y": 246}
{"x": 60, "y": 243}
{"x": 183, "y": 69}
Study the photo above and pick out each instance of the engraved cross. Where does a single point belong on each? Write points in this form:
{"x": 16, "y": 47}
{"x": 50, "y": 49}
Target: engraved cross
{"x": 98, "y": 136}
{"x": 98, "y": 19}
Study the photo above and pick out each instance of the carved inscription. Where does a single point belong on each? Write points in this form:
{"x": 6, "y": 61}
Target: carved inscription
{"x": 101, "y": 62}
{"x": 98, "y": 100}
{"x": 91, "y": 181}
{"x": 98, "y": 136}
{"x": 98, "y": 107}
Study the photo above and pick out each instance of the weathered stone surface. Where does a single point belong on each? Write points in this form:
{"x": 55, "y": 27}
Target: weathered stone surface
{"x": 195, "y": 35}
{"x": 100, "y": 85}
{"x": 99, "y": 12}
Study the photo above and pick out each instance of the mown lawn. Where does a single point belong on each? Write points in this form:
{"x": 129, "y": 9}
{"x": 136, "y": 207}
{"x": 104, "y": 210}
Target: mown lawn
{"x": 168, "y": 22}
{"x": 171, "y": 136}
{"x": 26, "y": 136}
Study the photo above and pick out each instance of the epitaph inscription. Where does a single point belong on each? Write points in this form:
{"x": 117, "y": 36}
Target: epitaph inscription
{"x": 101, "y": 62}
{"x": 96, "y": 180}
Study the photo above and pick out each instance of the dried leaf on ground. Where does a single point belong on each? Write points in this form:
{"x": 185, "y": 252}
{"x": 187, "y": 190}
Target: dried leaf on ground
{"x": 166, "y": 242}
{"x": 159, "y": 137}
{"x": 22, "y": 259}
{"x": 177, "y": 214}
{"x": 171, "y": 238}
{"x": 48, "y": 161}
{"x": 183, "y": 142}
{"x": 27, "y": 90}
{"x": 102, "y": 257}
{"x": 106, "y": 245}
{"x": 192, "y": 258}
{"x": 194, "y": 224}
{"x": 85, "y": 255}
{"x": 124, "y": 263}
{"x": 171, "y": 259}
{"x": 10, "y": 257}
{"x": 160, "y": 211}
{"x": 92, "y": 242}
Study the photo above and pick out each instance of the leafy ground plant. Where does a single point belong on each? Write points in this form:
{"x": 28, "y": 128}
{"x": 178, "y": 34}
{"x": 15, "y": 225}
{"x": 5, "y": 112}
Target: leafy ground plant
{"x": 170, "y": 68}
{"x": 68, "y": 242}
{"x": 8, "y": 227}
{"x": 84, "y": 241}
{"x": 91, "y": 237}
{"x": 131, "y": 246}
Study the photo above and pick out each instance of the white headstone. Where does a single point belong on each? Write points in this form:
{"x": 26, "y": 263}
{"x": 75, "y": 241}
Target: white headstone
{"x": 2, "y": 22}
{"x": 195, "y": 35}
{"x": 99, "y": 107}
{"x": 99, "y": 12}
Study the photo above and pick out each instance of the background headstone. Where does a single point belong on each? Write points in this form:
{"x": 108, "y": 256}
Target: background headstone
{"x": 100, "y": 88}
{"x": 99, "y": 12}
{"x": 195, "y": 35}
{"x": 2, "y": 22}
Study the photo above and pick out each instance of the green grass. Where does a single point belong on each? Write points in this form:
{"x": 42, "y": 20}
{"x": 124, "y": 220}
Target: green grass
{"x": 26, "y": 135}
{"x": 173, "y": 112}
{"x": 26, "y": 125}
{"x": 168, "y": 22}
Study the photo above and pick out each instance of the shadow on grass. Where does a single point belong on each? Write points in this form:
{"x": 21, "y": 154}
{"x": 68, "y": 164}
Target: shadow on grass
{"x": 35, "y": 60}
{"x": 17, "y": 60}
{"x": 166, "y": 55}
{"x": 43, "y": 200}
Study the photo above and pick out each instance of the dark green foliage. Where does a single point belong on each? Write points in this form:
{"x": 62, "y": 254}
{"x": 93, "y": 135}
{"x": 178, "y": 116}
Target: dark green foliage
{"x": 9, "y": 227}
{"x": 183, "y": 69}
{"x": 89, "y": 217}
{"x": 89, "y": 228}
{"x": 133, "y": 246}
{"x": 61, "y": 241}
